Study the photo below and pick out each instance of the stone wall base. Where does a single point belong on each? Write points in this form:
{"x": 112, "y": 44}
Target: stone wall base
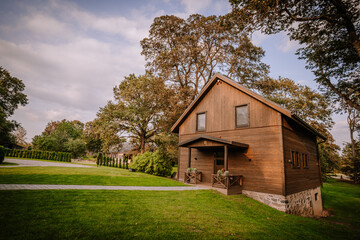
{"x": 305, "y": 203}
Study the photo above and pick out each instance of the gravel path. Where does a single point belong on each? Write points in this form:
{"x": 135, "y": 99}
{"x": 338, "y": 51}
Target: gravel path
{"x": 34, "y": 163}
{"x": 91, "y": 187}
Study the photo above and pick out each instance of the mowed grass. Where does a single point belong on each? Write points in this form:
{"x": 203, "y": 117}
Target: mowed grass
{"x": 205, "y": 214}
{"x": 342, "y": 199}
{"x": 152, "y": 215}
{"x": 81, "y": 176}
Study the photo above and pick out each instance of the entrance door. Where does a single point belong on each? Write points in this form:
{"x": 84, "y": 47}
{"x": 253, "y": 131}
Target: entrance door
{"x": 218, "y": 160}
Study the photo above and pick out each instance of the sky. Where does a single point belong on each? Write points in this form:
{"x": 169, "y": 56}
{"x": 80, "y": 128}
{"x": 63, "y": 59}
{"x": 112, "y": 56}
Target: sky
{"x": 71, "y": 54}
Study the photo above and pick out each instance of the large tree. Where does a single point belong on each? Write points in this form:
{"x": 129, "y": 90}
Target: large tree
{"x": 351, "y": 151}
{"x": 188, "y": 52}
{"x": 20, "y": 136}
{"x": 328, "y": 31}
{"x": 11, "y": 97}
{"x": 138, "y": 108}
{"x": 62, "y": 136}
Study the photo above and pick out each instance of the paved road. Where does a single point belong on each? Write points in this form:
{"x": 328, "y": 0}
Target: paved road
{"x": 34, "y": 163}
{"x": 91, "y": 187}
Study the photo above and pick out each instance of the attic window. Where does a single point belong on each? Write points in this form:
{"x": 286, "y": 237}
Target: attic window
{"x": 242, "y": 116}
{"x": 200, "y": 121}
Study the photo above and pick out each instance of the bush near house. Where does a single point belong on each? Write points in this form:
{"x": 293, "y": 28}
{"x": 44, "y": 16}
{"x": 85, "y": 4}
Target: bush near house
{"x": 33, "y": 154}
{"x": 154, "y": 163}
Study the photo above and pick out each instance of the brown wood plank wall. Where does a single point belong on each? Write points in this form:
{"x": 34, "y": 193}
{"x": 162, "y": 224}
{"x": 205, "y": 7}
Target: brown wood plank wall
{"x": 298, "y": 139}
{"x": 262, "y": 164}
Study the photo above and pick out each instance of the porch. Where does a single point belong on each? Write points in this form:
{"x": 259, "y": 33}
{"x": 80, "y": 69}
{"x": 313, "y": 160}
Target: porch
{"x": 217, "y": 150}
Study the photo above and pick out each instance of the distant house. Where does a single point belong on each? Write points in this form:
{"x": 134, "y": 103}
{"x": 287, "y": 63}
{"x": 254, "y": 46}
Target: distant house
{"x": 126, "y": 149}
{"x": 270, "y": 154}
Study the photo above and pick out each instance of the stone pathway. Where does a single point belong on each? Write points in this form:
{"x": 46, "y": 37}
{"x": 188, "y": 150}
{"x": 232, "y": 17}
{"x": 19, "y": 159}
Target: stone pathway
{"x": 91, "y": 187}
{"x": 34, "y": 163}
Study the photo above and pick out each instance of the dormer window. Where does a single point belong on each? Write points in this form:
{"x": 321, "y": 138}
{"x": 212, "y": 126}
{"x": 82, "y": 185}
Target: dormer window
{"x": 242, "y": 116}
{"x": 201, "y": 122}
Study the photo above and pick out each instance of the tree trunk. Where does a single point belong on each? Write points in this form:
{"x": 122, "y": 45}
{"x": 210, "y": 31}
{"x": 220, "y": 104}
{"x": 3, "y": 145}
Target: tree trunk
{"x": 142, "y": 144}
{"x": 352, "y": 121}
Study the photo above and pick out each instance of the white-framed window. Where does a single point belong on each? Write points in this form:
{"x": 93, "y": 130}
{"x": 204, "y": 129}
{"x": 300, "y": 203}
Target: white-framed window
{"x": 201, "y": 121}
{"x": 242, "y": 116}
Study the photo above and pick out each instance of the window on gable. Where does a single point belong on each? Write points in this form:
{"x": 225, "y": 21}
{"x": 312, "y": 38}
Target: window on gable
{"x": 201, "y": 122}
{"x": 242, "y": 116}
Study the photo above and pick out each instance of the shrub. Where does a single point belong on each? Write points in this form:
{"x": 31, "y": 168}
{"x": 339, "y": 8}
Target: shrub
{"x": 153, "y": 163}
{"x": 2, "y": 154}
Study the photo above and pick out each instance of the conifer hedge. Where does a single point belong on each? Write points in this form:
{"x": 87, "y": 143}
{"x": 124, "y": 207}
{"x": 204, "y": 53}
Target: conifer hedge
{"x": 34, "y": 154}
{"x": 102, "y": 160}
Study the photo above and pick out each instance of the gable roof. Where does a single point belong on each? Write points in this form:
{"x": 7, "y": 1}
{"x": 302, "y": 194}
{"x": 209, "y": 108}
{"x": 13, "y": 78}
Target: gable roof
{"x": 213, "y": 139}
{"x": 269, "y": 103}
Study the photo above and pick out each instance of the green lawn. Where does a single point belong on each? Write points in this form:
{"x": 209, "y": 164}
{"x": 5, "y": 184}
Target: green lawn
{"x": 152, "y": 215}
{"x": 205, "y": 214}
{"x": 81, "y": 176}
{"x": 343, "y": 201}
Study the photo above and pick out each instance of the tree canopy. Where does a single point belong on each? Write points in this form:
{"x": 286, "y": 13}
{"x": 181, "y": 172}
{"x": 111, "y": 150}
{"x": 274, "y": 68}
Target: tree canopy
{"x": 11, "y": 97}
{"x": 189, "y": 51}
{"x": 62, "y": 136}
{"x": 328, "y": 31}
{"x": 137, "y": 111}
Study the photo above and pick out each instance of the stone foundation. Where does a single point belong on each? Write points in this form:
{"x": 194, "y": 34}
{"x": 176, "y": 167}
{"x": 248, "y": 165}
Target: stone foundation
{"x": 305, "y": 203}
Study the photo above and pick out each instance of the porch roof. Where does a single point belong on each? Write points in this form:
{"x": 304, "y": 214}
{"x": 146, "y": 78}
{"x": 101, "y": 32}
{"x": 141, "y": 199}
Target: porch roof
{"x": 204, "y": 141}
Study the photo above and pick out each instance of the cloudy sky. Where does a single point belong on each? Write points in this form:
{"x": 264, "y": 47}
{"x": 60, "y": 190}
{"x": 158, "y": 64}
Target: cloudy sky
{"x": 70, "y": 54}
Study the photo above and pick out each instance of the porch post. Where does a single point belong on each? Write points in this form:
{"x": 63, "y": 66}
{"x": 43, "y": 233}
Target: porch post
{"x": 189, "y": 163}
{"x": 226, "y": 157}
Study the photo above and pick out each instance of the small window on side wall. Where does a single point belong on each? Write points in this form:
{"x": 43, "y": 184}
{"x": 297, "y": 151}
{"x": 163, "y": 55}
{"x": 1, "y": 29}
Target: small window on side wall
{"x": 295, "y": 159}
{"x": 242, "y": 116}
{"x": 305, "y": 161}
{"x": 200, "y": 122}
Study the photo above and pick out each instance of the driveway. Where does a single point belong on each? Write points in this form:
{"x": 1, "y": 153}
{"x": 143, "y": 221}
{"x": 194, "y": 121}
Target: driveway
{"x": 34, "y": 163}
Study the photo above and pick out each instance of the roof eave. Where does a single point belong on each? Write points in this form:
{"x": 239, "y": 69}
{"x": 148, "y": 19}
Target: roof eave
{"x": 307, "y": 126}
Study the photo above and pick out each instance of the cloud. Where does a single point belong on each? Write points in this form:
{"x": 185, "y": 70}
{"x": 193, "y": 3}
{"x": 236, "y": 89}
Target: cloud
{"x": 287, "y": 45}
{"x": 69, "y": 60}
{"x": 258, "y": 37}
{"x": 340, "y": 131}
{"x": 195, "y": 6}
{"x": 42, "y": 25}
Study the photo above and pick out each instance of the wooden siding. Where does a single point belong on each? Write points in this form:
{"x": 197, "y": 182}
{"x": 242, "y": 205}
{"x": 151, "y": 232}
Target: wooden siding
{"x": 298, "y": 139}
{"x": 219, "y": 105}
{"x": 261, "y": 164}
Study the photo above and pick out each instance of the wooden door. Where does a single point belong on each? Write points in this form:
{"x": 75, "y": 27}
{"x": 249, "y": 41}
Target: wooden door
{"x": 218, "y": 160}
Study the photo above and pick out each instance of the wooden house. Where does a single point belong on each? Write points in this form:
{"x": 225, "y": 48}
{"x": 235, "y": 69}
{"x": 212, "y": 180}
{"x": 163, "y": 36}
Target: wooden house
{"x": 267, "y": 152}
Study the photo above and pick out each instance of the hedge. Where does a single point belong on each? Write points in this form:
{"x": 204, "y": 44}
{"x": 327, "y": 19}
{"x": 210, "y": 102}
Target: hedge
{"x": 34, "y": 154}
{"x": 102, "y": 160}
